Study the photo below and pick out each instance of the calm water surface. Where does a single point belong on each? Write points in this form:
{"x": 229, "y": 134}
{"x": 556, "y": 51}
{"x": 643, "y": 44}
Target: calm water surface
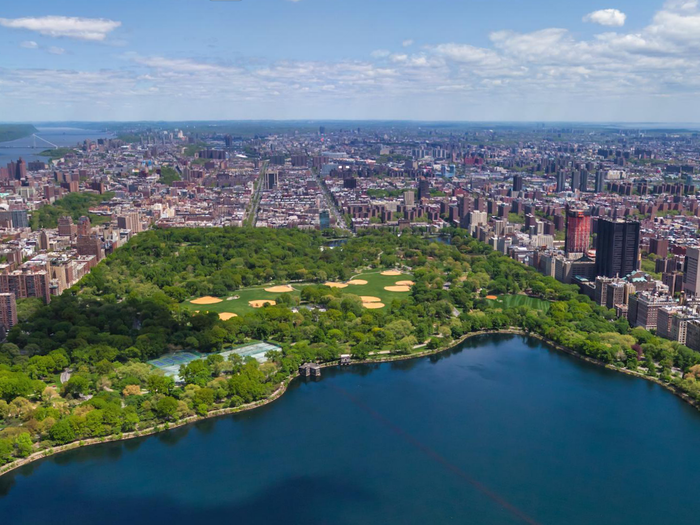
{"x": 60, "y": 136}
{"x": 503, "y": 431}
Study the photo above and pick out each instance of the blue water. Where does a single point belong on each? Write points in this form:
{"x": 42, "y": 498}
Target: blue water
{"x": 60, "y": 136}
{"x": 502, "y": 431}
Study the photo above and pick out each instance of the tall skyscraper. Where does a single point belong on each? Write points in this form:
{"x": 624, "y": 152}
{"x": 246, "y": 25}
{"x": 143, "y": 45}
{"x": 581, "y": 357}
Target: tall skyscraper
{"x": 599, "y": 181}
{"x": 561, "y": 181}
{"x": 617, "y": 247}
{"x": 575, "y": 180}
{"x": 578, "y": 230}
{"x": 583, "y": 182}
{"x": 272, "y": 180}
{"x": 691, "y": 282}
{"x": 423, "y": 189}
{"x": 324, "y": 220}
{"x": 518, "y": 183}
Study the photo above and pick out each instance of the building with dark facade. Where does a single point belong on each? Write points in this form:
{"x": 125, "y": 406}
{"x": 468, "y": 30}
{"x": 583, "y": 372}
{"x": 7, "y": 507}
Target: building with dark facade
{"x": 617, "y": 247}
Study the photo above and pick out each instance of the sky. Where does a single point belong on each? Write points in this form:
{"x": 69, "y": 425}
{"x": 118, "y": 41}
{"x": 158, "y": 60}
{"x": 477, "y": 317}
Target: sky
{"x": 457, "y": 60}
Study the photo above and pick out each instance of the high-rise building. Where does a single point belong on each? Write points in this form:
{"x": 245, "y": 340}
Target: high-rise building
{"x": 644, "y": 309}
{"x": 26, "y": 283}
{"x": 575, "y": 180}
{"x": 599, "y": 181}
{"x": 409, "y": 198}
{"x": 658, "y": 246}
{"x": 84, "y": 226}
{"x": 583, "y": 182}
{"x": 129, "y": 221}
{"x": 271, "y": 180}
{"x": 324, "y": 219}
{"x": 15, "y": 218}
{"x": 66, "y": 226}
{"x": 617, "y": 247}
{"x": 561, "y": 181}
{"x": 691, "y": 281}
{"x": 578, "y": 230}
{"x": 8, "y": 310}
{"x": 518, "y": 183}
{"x": 423, "y": 189}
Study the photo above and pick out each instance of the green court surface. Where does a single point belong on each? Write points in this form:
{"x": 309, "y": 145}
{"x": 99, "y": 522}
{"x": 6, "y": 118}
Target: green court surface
{"x": 510, "y": 301}
{"x": 374, "y": 287}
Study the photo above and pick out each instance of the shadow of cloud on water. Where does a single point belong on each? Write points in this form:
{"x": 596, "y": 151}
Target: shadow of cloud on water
{"x": 299, "y": 499}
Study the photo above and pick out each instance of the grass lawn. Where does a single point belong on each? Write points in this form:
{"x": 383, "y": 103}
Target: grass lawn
{"x": 523, "y": 300}
{"x": 374, "y": 287}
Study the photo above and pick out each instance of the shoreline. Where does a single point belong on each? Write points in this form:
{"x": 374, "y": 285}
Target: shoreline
{"x": 282, "y": 388}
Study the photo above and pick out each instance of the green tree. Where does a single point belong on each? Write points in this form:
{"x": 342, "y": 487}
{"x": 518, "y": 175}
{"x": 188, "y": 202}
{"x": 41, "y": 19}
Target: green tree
{"x": 166, "y": 408}
{"x": 23, "y": 445}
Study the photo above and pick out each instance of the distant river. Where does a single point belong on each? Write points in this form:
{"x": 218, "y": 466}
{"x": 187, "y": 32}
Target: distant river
{"x": 61, "y": 136}
{"x": 501, "y": 431}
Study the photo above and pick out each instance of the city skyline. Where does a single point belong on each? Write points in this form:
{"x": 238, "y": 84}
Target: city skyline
{"x": 274, "y": 59}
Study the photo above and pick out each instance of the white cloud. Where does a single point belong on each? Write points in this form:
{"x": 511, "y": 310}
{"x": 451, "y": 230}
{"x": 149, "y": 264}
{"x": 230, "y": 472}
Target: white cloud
{"x": 380, "y": 53}
{"x": 56, "y": 50}
{"x": 29, "y": 44}
{"x": 95, "y": 29}
{"x": 549, "y": 73}
{"x": 606, "y": 17}
{"x": 407, "y": 43}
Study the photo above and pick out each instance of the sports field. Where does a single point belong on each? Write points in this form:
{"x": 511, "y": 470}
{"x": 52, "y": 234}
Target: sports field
{"x": 375, "y": 286}
{"x": 170, "y": 364}
{"x": 241, "y": 305}
{"x": 510, "y": 301}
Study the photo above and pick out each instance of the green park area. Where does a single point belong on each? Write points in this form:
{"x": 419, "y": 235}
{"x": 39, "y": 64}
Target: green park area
{"x": 368, "y": 285}
{"x": 101, "y": 359}
{"x": 513, "y": 301}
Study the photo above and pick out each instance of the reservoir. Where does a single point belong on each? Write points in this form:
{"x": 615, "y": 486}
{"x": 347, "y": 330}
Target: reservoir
{"x": 502, "y": 430}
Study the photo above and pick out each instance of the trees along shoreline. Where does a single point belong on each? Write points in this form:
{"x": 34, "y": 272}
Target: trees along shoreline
{"x": 127, "y": 311}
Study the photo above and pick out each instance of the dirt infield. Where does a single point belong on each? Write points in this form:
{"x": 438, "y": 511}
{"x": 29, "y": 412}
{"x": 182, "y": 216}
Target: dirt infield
{"x": 405, "y": 283}
{"x": 391, "y": 272}
{"x": 335, "y": 285}
{"x": 225, "y": 316}
{"x": 373, "y": 306}
{"x": 208, "y": 299}
{"x": 370, "y": 299}
{"x": 261, "y": 303}
{"x": 357, "y": 282}
{"x": 285, "y": 288}
{"x": 397, "y": 288}
{"x": 491, "y": 297}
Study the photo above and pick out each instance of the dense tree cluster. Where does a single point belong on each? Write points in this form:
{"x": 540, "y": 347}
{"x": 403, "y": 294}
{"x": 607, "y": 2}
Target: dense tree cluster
{"x": 73, "y": 205}
{"x": 127, "y": 311}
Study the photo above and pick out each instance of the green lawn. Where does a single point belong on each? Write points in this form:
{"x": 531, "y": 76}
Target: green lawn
{"x": 374, "y": 287}
{"x": 240, "y": 306}
{"x": 523, "y": 300}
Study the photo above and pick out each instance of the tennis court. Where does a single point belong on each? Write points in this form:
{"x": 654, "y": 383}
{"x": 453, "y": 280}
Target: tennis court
{"x": 170, "y": 364}
{"x": 255, "y": 350}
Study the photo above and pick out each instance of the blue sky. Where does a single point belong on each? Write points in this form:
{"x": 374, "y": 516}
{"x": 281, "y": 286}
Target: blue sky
{"x": 532, "y": 60}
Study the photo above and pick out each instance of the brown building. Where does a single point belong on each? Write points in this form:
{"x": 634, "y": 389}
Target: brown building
{"x": 8, "y": 310}
{"x": 66, "y": 227}
{"x": 26, "y": 283}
